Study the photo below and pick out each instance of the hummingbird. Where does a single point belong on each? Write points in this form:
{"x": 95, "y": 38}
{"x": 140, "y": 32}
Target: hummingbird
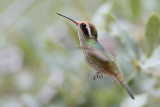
{"x": 97, "y": 55}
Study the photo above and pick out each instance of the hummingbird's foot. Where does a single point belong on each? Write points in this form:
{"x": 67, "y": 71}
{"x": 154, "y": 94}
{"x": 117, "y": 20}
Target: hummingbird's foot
{"x": 97, "y": 75}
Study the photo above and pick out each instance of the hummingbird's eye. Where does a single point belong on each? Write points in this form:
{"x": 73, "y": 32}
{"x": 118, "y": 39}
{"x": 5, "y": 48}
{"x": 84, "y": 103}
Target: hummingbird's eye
{"x": 83, "y": 25}
{"x": 84, "y": 29}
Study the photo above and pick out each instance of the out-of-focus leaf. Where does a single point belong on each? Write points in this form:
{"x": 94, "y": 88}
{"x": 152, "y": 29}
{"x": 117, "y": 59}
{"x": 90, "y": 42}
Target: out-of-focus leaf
{"x": 99, "y": 19}
{"x": 51, "y": 45}
{"x": 155, "y": 92}
{"x": 73, "y": 32}
{"x": 132, "y": 46}
{"x": 29, "y": 100}
{"x": 135, "y": 6}
{"x": 27, "y": 45}
{"x": 153, "y": 61}
{"x": 4, "y": 5}
{"x": 110, "y": 24}
{"x": 152, "y": 31}
{"x": 108, "y": 96}
{"x": 11, "y": 101}
{"x": 122, "y": 62}
{"x": 140, "y": 101}
{"x": 150, "y": 84}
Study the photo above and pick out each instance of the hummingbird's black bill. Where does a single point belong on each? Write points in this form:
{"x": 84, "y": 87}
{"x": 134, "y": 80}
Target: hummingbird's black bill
{"x": 68, "y": 18}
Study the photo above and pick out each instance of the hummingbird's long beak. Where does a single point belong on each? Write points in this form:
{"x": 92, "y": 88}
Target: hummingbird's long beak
{"x": 68, "y": 18}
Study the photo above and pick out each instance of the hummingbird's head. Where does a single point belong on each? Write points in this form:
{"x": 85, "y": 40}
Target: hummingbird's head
{"x": 86, "y": 29}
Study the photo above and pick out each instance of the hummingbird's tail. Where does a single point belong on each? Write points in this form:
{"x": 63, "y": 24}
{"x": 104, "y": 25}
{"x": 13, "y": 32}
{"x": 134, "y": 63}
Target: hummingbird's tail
{"x": 124, "y": 85}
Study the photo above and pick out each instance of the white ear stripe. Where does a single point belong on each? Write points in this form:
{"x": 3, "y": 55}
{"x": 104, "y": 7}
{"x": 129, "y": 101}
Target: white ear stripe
{"x": 89, "y": 31}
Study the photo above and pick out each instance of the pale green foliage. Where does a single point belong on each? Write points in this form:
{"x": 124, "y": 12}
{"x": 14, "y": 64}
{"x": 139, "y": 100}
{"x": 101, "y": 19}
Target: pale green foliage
{"x": 40, "y": 65}
{"x": 152, "y": 32}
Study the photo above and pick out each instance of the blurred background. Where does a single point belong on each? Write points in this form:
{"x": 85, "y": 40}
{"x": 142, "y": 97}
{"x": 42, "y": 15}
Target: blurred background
{"x": 40, "y": 66}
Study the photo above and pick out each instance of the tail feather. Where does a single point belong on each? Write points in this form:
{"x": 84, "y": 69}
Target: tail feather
{"x": 124, "y": 85}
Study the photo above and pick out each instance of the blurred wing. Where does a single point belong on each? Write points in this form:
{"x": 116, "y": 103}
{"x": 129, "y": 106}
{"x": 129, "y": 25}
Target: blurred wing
{"x": 96, "y": 53}
{"x": 110, "y": 45}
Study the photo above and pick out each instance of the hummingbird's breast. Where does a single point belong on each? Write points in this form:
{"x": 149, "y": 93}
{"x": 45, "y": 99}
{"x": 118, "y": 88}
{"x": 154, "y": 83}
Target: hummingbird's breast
{"x": 96, "y": 64}
{"x": 93, "y": 61}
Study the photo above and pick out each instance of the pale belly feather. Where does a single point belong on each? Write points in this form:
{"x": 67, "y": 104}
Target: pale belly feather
{"x": 96, "y": 64}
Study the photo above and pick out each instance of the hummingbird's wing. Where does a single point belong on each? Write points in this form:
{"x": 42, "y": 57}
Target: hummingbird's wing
{"x": 110, "y": 45}
{"x": 95, "y": 53}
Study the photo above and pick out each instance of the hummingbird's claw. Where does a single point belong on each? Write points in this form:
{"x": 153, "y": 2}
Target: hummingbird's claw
{"x": 97, "y": 75}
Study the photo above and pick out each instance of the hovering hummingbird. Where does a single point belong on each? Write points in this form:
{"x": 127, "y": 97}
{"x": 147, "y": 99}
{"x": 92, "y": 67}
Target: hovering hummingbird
{"x": 97, "y": 55}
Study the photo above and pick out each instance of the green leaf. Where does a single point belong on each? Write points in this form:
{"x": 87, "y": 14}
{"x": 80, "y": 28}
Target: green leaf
{"x": 73, "y": 32}
{"x": 135, "y": 6}
{"x": 131, "y": 45}
{"x": 153, "y": 61}
{"x": 110, "y": 23}
{"x": 152, "y": 31}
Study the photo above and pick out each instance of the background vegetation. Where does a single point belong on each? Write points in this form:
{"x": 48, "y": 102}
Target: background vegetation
{"x": 40, "y": 67}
